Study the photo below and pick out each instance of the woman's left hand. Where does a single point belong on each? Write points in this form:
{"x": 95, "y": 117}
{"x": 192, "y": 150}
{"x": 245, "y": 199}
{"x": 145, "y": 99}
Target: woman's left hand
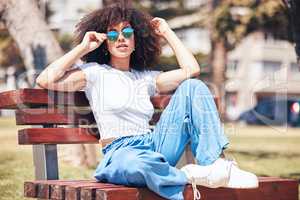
{"x": 160, "y": 26}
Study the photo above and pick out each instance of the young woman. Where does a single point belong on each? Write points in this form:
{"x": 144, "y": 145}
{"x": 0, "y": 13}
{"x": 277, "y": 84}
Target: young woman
{"x": 119, "y": 45}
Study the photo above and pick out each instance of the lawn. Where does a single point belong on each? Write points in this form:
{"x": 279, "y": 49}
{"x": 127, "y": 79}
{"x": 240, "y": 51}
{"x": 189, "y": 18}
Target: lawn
{"x": 268, "y": 151}
{"x": 16, "y": 163}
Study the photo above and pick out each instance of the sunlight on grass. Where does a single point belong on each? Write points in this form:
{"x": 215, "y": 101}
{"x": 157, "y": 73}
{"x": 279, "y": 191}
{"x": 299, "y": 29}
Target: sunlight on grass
{"x": 266, "y": 151}
{"x": 16, "y": 163}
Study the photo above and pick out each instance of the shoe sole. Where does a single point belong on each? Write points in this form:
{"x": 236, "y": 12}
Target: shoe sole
{"x": 254, "y": 187}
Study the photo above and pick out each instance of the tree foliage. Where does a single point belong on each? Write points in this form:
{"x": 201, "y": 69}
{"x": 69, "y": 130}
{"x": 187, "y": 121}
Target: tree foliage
{"x": 235, "y": 19}
{"x": 166, "y": 9}
{"x": 9, "y": 52}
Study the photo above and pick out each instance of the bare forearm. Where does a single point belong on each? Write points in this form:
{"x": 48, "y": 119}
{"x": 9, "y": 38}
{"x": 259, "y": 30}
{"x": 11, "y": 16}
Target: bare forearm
{"x": 184, "y": 57}
{"x": 57, "y": 69}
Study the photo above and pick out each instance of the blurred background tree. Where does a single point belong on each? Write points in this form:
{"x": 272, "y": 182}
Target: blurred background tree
{"x": 36, "y": 43}
{"x": 294, "y": 14}
{"x": 233, "y": 20}
{"x": 228, "y": 21}
{"x": 10, "y": 54}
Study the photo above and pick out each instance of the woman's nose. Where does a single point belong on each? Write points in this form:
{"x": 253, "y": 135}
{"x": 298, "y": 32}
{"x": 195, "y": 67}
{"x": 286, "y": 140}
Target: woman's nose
{"x": 121, "y": 37}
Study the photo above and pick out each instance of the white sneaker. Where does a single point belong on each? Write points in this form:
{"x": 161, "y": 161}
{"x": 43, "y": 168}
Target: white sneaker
{"x": 222, "y": 173}
{"x": 241, "y": 179}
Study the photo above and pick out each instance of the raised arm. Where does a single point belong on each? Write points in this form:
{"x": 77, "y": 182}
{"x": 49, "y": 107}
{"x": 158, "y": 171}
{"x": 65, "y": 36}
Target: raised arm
{"x": 59, "y": 75}
{"x": 189, "y": 67}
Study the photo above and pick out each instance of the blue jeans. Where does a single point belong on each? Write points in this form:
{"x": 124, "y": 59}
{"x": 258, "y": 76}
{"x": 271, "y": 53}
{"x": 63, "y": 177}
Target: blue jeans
{"x": 150, "y": 159}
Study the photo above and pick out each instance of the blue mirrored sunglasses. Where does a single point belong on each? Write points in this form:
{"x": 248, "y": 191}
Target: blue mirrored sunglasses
{"x": 113, "y": 35}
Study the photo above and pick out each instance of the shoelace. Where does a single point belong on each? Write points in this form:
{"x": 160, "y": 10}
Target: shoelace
{"x": 231, "y": 159}
{"x": 231, "y": 162}
{"x": 196, "y": 192}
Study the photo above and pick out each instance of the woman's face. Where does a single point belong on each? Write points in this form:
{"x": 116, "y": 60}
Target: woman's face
{"x": 122, "y": 47}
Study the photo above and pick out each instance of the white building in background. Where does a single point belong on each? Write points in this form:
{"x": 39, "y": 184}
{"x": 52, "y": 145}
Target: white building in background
{"x": 259, "y": 68}
{"x": 67, "y": 13}
{"x": 195, "y": 39}
{"x": 187, "y": 4}
{"x": 194, "y": 4}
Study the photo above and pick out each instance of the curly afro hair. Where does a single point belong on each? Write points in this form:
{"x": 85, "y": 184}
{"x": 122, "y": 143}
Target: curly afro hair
{"x": 147, "y": 43}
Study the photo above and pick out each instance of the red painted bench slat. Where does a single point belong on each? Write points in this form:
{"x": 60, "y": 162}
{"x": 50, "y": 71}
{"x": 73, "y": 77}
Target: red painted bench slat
{"x": 28, "y": 97}
{"x": 270, "y": 188}
{"x": 33, "y": 98}
{"x": 60, "y": 116}
{"x": 58, "y": 136}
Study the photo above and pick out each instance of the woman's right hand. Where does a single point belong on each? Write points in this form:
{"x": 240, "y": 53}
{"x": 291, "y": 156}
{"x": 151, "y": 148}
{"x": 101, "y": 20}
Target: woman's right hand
{"x": 92, "y": 40}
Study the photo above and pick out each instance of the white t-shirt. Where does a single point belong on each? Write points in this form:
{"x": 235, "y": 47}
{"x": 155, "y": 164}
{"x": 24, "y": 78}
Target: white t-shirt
{"x": 120, "y": 100}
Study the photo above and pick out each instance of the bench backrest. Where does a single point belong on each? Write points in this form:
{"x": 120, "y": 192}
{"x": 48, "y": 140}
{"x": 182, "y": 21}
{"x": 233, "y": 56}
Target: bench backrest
{"x": 48, "y": 111}
{"x": 51, "y": 109}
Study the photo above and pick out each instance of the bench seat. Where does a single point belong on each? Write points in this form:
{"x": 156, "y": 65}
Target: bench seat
{"x": 270, "y": 188}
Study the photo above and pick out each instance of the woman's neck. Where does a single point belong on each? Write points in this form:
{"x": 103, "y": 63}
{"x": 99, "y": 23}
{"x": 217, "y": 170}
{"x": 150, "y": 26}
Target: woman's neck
{"x": 120, "y": 63}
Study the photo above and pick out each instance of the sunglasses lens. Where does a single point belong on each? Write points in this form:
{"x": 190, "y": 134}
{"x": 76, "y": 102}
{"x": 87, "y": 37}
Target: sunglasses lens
{"x": 112, "y": 35}
{"x": 127, "y": 32}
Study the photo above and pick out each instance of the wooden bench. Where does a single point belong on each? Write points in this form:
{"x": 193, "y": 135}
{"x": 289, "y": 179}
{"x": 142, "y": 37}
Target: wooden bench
{"x": 47, "y": 110}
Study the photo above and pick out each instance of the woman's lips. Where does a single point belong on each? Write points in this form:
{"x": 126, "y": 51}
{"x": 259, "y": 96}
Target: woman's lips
{"x": 122, "y": 45}
{"x": 122, "y": 48}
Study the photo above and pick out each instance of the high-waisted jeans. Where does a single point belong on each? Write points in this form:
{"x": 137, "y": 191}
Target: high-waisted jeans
{"x": 150, "y": 159}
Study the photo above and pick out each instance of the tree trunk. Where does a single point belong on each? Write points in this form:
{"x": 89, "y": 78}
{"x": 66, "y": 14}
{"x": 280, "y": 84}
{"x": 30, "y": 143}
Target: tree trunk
{"x": 218, "y": 63}
{"x": 295, "y": 16}
{"x": 26, "y": 25}
{"x": 218, "y": 59}
{"x": 107, "y": 2}
{"x": 38, "y": 48}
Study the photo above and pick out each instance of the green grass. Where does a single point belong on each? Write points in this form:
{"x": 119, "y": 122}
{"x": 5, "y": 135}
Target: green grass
{"x": 270, "y": 151}
{"x": 16, "y": 163}
{"x": 266, "y": 151}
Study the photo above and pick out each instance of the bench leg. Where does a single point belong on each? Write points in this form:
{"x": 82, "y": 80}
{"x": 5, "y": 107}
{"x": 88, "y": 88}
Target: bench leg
{"x": 45, "y": 161}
